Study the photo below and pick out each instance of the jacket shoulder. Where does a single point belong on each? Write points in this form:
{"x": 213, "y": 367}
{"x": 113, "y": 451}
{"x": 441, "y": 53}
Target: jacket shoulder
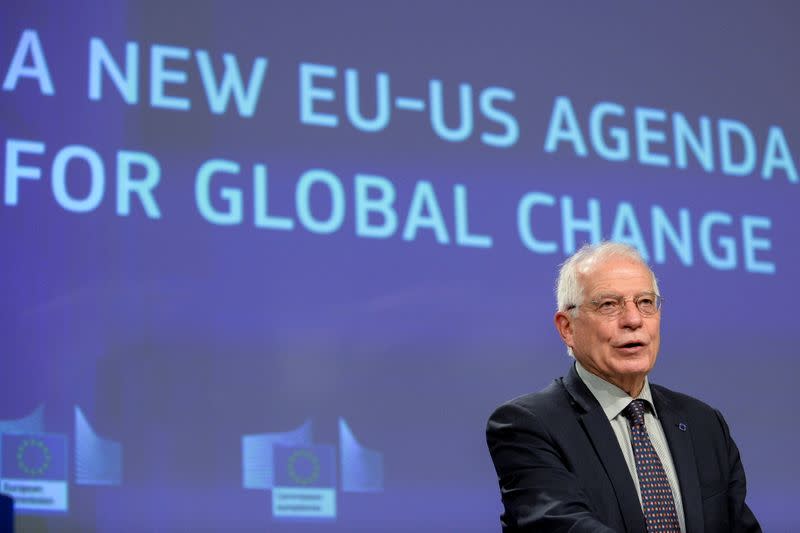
{"x": 549, "y": 403}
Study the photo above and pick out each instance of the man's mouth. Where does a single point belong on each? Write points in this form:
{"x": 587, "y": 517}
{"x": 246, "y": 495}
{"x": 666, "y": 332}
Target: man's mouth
{"x": 631, "y": 345}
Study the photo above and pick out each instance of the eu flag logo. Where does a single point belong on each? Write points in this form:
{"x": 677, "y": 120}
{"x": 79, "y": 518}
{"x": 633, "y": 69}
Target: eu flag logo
{"x": 34, "y": 456}
{"x": 305, "y": 466}
{"x": 305, "y": 482}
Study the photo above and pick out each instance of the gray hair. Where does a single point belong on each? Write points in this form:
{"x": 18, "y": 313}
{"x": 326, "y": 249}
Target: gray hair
{"x": 569, "y": 291}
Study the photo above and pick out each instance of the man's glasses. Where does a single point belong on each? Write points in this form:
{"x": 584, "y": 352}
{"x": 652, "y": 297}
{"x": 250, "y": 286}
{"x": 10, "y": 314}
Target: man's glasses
{"x": 612, "y": 305}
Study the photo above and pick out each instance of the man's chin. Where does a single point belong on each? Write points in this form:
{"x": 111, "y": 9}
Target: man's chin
{"x": 633, "y": 366}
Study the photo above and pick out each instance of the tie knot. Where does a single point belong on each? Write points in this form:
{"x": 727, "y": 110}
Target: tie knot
{"x": 635, "y": 412}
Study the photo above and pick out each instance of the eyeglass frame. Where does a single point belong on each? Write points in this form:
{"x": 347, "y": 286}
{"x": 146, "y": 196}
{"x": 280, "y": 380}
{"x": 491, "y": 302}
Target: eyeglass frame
{"x": 621, "y": 304}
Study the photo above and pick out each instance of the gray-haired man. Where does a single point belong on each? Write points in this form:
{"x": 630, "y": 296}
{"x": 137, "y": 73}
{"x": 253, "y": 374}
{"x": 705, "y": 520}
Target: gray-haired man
{"x": 602, "y": 449}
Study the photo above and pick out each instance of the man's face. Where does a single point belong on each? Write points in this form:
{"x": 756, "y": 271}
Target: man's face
{"x": 620, "y": 349}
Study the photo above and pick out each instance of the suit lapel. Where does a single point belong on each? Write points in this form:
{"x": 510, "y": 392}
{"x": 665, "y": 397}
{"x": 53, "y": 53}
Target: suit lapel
{"x": 607, "y": 447}
{"x": 679, "y": 438}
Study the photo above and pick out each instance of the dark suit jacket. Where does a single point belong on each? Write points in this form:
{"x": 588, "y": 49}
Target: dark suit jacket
{"x": 560, "y": 467}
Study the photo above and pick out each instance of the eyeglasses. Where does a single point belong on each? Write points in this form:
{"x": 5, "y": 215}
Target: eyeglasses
{"x": 611, "y": 305}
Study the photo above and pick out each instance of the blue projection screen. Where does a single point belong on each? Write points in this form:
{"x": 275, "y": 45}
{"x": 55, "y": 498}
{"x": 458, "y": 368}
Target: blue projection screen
{"x": 270, "y": 266}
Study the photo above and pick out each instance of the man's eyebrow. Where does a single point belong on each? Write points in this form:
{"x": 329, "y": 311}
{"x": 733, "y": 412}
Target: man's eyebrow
{"x": 606, "y": 295}
{"x": 617, "y": 295}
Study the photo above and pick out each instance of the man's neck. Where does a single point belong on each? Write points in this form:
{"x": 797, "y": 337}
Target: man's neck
{"x": 632, "y": 385}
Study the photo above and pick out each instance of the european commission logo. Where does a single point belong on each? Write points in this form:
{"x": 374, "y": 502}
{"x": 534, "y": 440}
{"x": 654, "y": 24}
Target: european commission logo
{"x": 34, "y": 471}
{"x": 305, "y": 482}
{"x": 34, "y": 467}
{"x": 305, "y": 477}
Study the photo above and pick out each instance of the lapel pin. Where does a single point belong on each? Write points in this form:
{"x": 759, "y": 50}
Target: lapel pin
{"x": 682, "y": 426}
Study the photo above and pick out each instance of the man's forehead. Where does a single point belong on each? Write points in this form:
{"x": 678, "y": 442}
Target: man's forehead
{"x": 612, "y": 272}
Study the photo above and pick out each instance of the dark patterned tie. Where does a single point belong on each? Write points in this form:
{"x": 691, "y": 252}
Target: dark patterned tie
{"x": 657, "y": 502}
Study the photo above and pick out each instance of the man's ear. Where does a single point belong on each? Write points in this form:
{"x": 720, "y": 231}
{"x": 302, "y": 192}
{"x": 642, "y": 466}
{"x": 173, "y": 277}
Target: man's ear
{"x": 563, "y": 322}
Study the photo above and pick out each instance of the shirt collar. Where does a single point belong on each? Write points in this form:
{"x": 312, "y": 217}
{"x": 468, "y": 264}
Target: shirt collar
{"x": 611, "y": 398}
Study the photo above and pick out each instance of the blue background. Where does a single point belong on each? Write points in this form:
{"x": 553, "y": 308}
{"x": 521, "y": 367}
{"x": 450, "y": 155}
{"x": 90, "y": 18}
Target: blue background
{"x": 177, "y": 336}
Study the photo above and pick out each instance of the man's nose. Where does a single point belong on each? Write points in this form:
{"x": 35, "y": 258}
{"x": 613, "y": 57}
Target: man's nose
{"x": 630, "y": 317}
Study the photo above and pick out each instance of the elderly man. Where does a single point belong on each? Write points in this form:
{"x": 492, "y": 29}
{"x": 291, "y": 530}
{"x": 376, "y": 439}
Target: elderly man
{"x": 602, "y": 449}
